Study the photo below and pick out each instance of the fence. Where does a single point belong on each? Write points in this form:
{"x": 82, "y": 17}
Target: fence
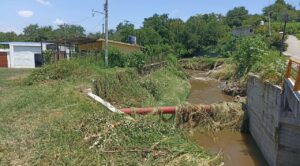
{"x": 293, "y": 73}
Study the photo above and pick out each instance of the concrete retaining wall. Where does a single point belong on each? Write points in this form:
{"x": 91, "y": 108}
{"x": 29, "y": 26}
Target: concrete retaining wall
{"x": 274, "y": 121}
{"x": 264, "y": 105}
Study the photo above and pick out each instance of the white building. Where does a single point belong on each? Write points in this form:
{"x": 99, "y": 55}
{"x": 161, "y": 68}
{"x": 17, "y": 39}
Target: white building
{"x": 21, "y": 54}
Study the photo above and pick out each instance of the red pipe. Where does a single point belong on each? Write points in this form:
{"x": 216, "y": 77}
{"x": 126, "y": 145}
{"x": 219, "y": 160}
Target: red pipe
{"x": 160, "y": 110}
{"x": 144, "y": 111}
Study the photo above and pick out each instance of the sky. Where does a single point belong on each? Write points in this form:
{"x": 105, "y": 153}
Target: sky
{"x": 17, "y": 14}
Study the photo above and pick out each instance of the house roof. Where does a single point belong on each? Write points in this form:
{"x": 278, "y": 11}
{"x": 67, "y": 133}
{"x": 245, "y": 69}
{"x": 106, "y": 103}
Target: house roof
{"x": 117, "y": 42}
{"x": 76, "y": 41}
{"x": 23, "y": 43}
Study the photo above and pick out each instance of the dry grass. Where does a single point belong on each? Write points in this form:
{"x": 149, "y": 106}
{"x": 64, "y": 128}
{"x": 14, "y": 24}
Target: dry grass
{"x": 213, "y": 118}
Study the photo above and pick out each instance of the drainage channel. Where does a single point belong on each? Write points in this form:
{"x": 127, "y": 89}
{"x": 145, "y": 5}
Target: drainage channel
{"x": 236, "y": 148}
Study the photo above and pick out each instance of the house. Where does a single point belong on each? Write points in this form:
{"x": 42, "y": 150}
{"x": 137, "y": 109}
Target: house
{"x": 242, "y": 31}
{"x": 21, "y": 54}
{"x": 99, "y": 45}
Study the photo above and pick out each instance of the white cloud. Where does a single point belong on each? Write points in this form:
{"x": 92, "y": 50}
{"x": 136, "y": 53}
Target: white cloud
{"x": 25, "y": 13}
{"x": 44, "y": 2}
{"x": 59, "y": 21}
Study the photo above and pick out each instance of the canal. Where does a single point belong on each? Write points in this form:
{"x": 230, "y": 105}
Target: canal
{"x": 236, "y": 148}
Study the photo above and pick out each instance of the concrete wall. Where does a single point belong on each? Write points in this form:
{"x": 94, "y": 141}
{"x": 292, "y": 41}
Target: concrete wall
{"x": 289, "y": 133}
{"x": 274, "y": 121}
{"x": 264, "y": 104}
{"x": 23, "y": 56}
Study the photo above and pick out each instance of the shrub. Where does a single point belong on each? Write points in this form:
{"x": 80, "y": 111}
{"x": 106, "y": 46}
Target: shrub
{"x": 249, "y": 51}
{"x": 49, "y": 56}
{"x": 271, "y": 67}
{"x": 135, "y": 59}
{"x": 115, "y": 58}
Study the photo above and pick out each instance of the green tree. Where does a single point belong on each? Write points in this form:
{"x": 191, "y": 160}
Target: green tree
{"x": 160, "y": 23}
{"x": 69, "y": 31}
{"x": 203, "y": 31}
{"x": 31, "y": 33}
{"x": 8, "y": 36}
{"x": 236, "y": 16}
{"x": 148, "y": 36}
{"x": 254, "y": 20}
{"x": 249, "y": 50}
{"x": 123, "y": 31}
{"x": 280, "y": 9}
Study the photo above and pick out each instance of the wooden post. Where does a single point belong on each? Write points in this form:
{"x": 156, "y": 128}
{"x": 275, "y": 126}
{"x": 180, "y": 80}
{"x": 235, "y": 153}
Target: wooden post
{"x": 289, "y": 70}
{"x": 297, "y": 82}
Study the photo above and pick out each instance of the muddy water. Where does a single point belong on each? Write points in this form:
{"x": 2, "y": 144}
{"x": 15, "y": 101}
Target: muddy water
{"x": 236, "y": 148}
{"x": 205, "y": 90}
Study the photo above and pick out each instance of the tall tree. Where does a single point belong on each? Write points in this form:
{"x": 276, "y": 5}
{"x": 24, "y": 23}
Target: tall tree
{"x": 280, "y": 9}
{"x": 67, "y": 31}
{"x": 236, "y": 16}
{"x": 160, "y": 23}
{"x": 31, "y": 33}
{"x": 123, "y": 31}
{"x": 148, "y": 36}
{"x": 203, "y": 31}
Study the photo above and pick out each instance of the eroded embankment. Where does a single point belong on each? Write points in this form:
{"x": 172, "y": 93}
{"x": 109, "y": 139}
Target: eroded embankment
{"x": 219, "y": 130}
{"x": 126, "y": 88}
{"x": 59, "y": 125}
{"x": 221, "y": 69}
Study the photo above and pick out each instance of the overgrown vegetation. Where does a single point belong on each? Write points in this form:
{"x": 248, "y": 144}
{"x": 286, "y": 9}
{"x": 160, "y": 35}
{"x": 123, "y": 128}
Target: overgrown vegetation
{"x": 127, "y": 89}
{"x": 48, "y": 120}
{"x": 250, "y": 54}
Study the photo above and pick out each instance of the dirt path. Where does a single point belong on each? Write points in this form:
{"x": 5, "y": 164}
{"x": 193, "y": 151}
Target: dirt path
{"x": 293, "y": 49}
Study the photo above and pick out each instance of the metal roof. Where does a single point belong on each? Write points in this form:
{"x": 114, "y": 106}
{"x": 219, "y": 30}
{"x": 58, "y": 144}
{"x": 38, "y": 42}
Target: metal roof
{"x": 122, "y": 43}
{"x": 23, "y": 43}
{"x": 76, "y": 40}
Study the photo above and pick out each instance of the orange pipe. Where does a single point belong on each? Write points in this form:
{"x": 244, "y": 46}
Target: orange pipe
{"x": 160, "y": 110}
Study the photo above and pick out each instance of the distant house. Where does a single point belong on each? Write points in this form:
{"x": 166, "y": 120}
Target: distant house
{"x": 242, "y": 31}
{"x": 99, "y": 45}
{"x": 21, "y": 54}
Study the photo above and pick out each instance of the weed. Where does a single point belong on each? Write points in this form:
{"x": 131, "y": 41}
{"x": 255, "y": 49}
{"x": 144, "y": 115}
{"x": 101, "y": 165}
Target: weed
{"x": 52, "y": 123}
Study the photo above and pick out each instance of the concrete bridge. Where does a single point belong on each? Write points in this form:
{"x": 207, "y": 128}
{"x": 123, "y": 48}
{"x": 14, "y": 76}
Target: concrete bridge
{"x": 274, "y": 117}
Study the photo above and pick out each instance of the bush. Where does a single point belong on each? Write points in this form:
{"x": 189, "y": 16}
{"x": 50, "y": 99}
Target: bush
{"x": 249, "y": 51}
{"x": 135, "y": 59}
{"x": 271, "y": 67}
{"x": 115, "y": 58}
{"x": 49, "y": 56}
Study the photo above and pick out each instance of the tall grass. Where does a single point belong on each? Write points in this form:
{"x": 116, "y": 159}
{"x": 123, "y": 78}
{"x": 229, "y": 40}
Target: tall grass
{"x": 51, "y": 122}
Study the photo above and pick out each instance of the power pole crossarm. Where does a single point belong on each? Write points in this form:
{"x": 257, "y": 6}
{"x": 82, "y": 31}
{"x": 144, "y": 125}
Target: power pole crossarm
{"x": 106, "y": 33}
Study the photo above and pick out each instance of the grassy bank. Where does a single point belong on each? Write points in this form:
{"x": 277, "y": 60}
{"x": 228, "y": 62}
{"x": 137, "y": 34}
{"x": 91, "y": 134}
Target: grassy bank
{"x": 45, "y": 119}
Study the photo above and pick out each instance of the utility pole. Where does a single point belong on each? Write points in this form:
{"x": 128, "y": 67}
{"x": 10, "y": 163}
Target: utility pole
{"x": 106, "y": 28}
{"x": 270, "y": 29}
{"x": 106, "y": 32}
{"x": 103, "y": 27}
{"x": 283, "y": 34}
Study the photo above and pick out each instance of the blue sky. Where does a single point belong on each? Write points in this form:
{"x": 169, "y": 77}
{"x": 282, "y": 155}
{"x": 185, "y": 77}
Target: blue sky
{"x": 16, "y": 14}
